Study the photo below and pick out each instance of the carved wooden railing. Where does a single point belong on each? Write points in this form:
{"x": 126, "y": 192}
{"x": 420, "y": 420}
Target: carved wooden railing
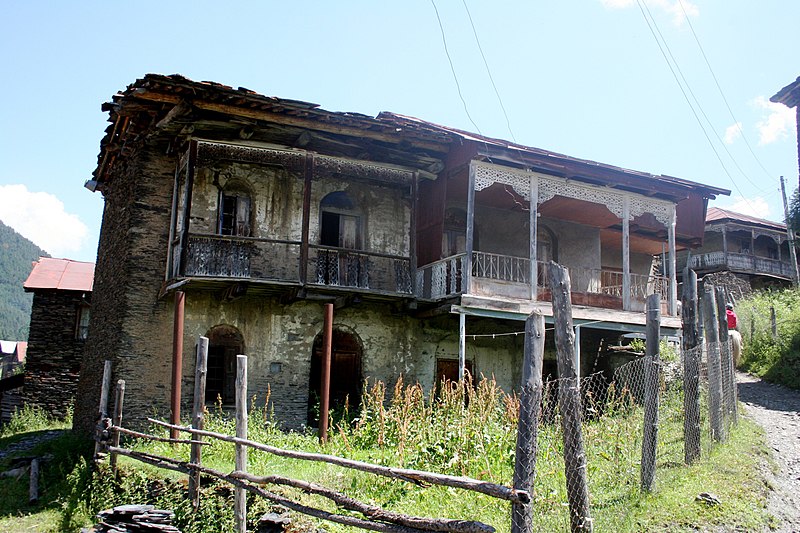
{"x": 442, "y": 278}
{"x": 742, "y": 263}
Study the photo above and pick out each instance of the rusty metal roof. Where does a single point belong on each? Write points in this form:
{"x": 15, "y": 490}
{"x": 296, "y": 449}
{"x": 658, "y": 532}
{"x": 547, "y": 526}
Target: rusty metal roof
{"x": 60, "y": 274}
{"x": 715, "y": 214}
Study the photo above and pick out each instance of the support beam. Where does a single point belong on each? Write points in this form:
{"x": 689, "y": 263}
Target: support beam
{"x": 309, "y": 173}
{"x": 672, "y": 306}
{"x": 470, "y": 228}
{"x": 177, "y": 360}
{"x": 626, "y": 253}
{"x": 533, "y": 236}
{"x": 462, "y": 345}
{"x": 325, "y": 384}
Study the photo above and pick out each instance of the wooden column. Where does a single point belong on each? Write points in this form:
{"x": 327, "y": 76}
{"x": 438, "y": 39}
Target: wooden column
{"x": 530, "y": 402}
{"x": 672, "y": 305}
{"x": 187, "y": 207}
{"x": 626, "y": 253}
{"x": 691, "y": 369}
{"x": 790, "y": 234}
{"x": 177, "y": 361}
{"x": 240, "y": 494}
{"x": 462, "y": 345}
{"x": 470, "y": 229}
{"x": 412, "y": 238}
{"x": 308, "y": 175}
{"x": 325, "y": 383}
{"x": 533, "y": 237}
{"x": 725, "y": 244}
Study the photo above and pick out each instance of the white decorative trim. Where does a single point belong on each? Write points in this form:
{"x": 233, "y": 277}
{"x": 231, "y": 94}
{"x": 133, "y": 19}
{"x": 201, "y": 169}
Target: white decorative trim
{"x": 487, "y": 174}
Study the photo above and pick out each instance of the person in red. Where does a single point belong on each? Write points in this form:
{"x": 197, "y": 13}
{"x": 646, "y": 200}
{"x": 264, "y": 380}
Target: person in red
{"x": 733, "y": 322}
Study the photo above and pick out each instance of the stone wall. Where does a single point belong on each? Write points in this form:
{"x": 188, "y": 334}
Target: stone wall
{"x": 53, "y": 361}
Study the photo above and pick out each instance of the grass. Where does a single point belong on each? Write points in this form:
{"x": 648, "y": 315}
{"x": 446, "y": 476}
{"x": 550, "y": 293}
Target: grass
{"x": 462, "y": 431}
{"x": 774, "y": 358}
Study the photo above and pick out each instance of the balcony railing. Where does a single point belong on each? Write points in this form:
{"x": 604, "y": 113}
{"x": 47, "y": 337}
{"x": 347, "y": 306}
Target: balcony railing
{"x": 442, "y": 278}
{"x": 742, "y": 263}
{"x": 501, "y": 267}
{"x": 336, "y": 267}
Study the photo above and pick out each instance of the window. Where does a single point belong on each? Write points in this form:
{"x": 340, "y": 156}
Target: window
{"x": 82, "y": 322}
{"x": 454, "y": 240}
{"x": 340, "y": 222}
{"x": 234, "y": 213}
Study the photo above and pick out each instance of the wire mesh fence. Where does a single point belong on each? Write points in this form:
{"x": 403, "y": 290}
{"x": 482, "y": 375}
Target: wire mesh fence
{"x": 612, "y": 414}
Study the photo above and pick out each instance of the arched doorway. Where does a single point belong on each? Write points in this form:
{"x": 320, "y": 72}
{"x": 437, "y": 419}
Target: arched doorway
{"x": 346, "y": 380}
{"x": 225, "y": 342}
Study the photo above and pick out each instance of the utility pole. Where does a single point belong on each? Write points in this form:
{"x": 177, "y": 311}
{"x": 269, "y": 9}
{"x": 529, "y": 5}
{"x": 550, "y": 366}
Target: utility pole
{"x": 790, "y": 234}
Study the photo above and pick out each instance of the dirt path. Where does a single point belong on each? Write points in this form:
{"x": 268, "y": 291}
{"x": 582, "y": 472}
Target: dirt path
{"x": 777, "y": 410}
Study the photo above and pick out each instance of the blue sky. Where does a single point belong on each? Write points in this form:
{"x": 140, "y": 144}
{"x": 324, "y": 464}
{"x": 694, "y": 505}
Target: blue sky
{"x": 581, "y": 77}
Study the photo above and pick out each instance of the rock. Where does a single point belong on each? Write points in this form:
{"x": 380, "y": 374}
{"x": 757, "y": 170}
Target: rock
{"x": 708, "y": 498}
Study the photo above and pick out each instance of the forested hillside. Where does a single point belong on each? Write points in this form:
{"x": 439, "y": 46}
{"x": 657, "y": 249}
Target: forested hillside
{"x": 16, "y": 255}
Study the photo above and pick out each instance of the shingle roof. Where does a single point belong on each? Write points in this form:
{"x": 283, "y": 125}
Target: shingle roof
{"x": 60, "y": 274}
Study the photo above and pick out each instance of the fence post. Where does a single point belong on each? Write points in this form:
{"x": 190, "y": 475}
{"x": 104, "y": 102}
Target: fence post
{"x": 691, "y": 369}
{"x": 773, "y": 322}
{"x": 102, "y": 409}
{"x": 651, "y": 384}
{"x": 240, "y": 504}
{"x": 118, "y": 401}
{"x": 198, "y": 410}
{"x": 528, "y": 427}
{"x": 726, "y": 358}
{"x": 710, "y": 326}
{"x": 569, "y": 401}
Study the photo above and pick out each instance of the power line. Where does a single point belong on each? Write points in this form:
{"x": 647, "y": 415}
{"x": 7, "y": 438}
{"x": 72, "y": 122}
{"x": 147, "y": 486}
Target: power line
{"x": 488, "y": 71}
{"x": 452, "y": 68}
{"x": 686, "y": 97}
{"x": 719, "y": 88}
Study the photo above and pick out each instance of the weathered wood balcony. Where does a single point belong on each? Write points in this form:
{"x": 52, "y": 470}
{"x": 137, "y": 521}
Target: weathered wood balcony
{"x": 249, "y": 258}
{"x": 509, "y": 276}
{"x": 746, "y": 263}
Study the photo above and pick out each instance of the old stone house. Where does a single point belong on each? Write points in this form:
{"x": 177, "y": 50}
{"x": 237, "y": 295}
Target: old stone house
{"x": 12, "y": 366}
{"x": 62, "y": 296}
{"x": 240, "y": 215}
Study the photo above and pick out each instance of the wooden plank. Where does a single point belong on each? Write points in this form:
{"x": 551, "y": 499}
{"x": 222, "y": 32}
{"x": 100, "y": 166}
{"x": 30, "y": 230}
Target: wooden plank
{"x": 569, "y": 401}
{"x": 103, "y": 407}
{"x": 118, "y": 403}
{"x": 691, "y": 369}
{"x": 528, "y": 427}
{"x": 651, "y": 389}
{"x": 198, "y": 410}
{"x": 711, "y": 327}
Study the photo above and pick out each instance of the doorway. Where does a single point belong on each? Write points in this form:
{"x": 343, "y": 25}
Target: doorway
{"x": 224, "y": 344}
{"x": 346, "y": 380}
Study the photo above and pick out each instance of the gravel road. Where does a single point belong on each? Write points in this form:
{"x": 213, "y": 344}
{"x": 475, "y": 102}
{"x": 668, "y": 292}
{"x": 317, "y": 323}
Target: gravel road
{"x": 777, "y": 410}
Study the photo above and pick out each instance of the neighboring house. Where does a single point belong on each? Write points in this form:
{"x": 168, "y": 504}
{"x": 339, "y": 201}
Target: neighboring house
{"x": 12, "y": 360}
{"x": 62, "y": 295}
{"x": 790, "y": 97}
{"x": 752, "y": 250}
{"x": 241, "y": 215}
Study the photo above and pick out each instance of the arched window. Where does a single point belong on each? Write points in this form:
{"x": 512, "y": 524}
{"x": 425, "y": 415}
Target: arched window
{"x": 225, "y": 342}
{"x": 340, "y": 222}
{"x": 234, "y": 211}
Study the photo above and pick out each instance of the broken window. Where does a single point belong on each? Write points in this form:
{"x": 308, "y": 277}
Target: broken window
{"x": 234, "y": 213}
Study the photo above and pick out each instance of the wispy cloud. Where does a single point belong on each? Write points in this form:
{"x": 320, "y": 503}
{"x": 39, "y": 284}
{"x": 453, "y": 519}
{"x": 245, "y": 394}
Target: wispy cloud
{"x": 755, "y": 207}
{"x": 677, "y": 9}
{"x": 776, "y": 123}
{"x": 733, "y": 132}
{"x": 41, "y": 217}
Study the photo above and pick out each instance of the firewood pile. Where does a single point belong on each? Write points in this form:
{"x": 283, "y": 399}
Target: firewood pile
{"x": 134, "y": 519}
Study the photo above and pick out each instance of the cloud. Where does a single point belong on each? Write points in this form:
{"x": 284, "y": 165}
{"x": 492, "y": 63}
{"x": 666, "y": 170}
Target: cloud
{"x": 40, "y": 217}
{"x": 755, "y": 207}
{"x": 779, "y": 120}
{"x": 733, "y": 132}
{"x": 677, "y": 9}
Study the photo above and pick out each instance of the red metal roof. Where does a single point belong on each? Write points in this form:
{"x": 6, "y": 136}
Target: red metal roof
{"x": 60, "y": 274}
{"x": 715, "y": 214}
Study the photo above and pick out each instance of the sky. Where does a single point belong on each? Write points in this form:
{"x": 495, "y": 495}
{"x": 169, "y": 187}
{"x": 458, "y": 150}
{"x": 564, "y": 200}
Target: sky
{"x": 586, "y": 78}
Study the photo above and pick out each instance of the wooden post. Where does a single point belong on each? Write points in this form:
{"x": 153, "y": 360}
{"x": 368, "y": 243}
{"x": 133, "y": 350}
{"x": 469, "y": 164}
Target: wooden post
{"x": 651, "y": 385}
{"x": 103, "y": 407}
{"x": 773, "y": 322}
{"x": 528, "y": 427}
{"x": 726, "y": 358}
{"x": 33, "y": 482}
{"x": 626, "y": 253}
{"x": 240, "y": 495}
{"x": 325, "y": 384}
{"x": 177, "y": 360}
{"x": 118, "y": 401}
{"x": 569, "y": 400}
{"x": 466, "y": 283}
{"x": 691, "y": 369}
{"x": 711, "y": 326}
{"x": 673, "y": 280}
{"x": 533, "y": 236}
{"x": 790, "y": 235}
{"x": 462, "y": 345}
{"x": 308, "y": 176}
{"x": 198, "y": 412}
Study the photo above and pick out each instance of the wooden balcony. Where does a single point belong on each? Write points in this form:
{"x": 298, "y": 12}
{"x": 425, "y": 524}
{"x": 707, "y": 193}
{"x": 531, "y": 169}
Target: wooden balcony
{"x": 744, "y": 263}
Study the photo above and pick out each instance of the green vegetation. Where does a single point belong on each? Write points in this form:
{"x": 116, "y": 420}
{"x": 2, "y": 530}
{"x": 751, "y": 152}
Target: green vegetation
{"x": 775, "y": 358}
{"x": 16, "y": 255}
{"x": 461, "y": 430}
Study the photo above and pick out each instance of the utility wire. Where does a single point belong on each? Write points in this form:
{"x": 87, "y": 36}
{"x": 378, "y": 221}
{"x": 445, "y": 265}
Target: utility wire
{"x": 697, "y": 102}
{"x": 488, "y": 71}
{"x": 719, "y": 88}
{"x": 686, "y": 97}
{"x": 453, "y": 69}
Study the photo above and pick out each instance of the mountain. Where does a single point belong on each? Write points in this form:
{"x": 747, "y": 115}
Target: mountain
{"x": 16, "y": 255}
